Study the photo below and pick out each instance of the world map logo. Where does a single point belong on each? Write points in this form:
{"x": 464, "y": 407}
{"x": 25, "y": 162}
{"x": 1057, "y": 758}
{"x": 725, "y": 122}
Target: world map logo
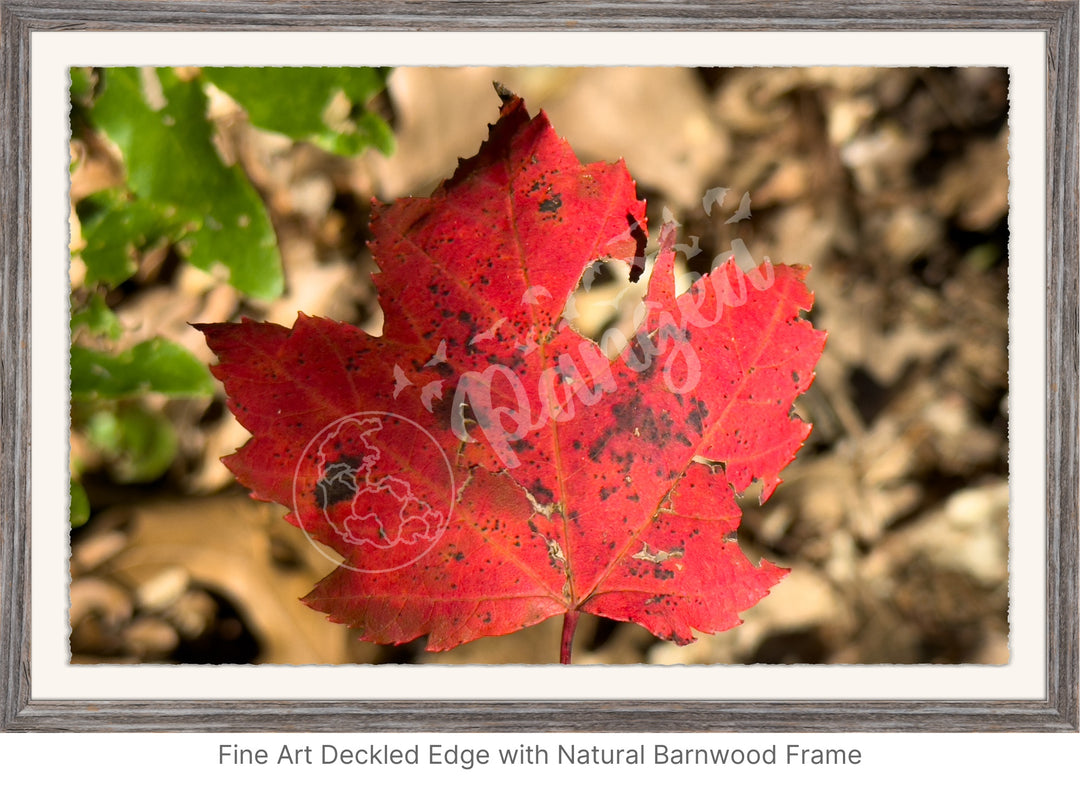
{"x": 376, "y": 488}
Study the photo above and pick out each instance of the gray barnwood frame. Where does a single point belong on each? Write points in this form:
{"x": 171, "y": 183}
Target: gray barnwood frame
{"x": 1057, "y": 711}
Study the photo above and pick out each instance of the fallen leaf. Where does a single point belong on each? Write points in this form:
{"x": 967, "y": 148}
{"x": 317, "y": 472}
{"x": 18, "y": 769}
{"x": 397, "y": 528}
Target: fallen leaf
{"x": 545, "y": 479}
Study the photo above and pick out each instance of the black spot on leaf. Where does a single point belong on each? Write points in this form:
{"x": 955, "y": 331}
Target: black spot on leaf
{"x": 551, "y": 204}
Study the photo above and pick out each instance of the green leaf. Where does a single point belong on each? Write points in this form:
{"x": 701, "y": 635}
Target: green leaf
{"x": 82, "y": 84}
{"x": 325, "y": 106}
{"x": 156, "y": 365}
{"x": 159, "y": 123}
{"x": 137, "y": 444}
{"x": 80, "y": 504}
{"x": 116, "y": 226}
{"x": 96, "y": 319}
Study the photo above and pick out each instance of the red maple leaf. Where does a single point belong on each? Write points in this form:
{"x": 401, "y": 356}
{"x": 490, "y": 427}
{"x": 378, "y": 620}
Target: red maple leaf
{"x": 482, "y": 466}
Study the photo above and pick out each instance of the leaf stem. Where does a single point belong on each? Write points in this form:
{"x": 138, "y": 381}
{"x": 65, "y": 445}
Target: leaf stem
{"x": 569, "y": 624}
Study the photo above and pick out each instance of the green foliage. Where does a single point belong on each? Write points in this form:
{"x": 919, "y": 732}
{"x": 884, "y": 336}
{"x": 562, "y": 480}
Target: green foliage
{"x": 155, "y": 365}
{"x": 80, "y": 504}
{"x": 178, "y": 193}
{"x": 117, "y": 227}
{"x": 82, "y": 85}
{"x": 96, "y": 319}
{"x": 137, "y": 445}
{"x": 325, "y": 106}
{"x": 179, "y": 185}
{"x": 178, "y": 189}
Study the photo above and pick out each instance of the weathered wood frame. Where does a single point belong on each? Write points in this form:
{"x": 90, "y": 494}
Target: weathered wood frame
{"x": 1058, "y": 711}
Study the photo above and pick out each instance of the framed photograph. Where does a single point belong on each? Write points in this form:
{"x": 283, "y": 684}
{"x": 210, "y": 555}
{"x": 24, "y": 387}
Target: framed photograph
{"x": 578, "y": 369}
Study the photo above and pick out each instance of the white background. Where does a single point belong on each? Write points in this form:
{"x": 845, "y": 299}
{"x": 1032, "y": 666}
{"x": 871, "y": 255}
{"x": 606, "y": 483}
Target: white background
{"x": 932, "y": 759}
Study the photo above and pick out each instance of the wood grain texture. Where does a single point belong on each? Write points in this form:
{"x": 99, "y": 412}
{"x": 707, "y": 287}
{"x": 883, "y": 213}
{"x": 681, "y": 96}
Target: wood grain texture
{"x": 1059, "y": 711}
{"x": 1063, "y": 375}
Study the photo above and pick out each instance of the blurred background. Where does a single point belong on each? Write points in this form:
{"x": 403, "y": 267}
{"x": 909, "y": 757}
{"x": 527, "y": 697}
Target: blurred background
{"x": 891, "y": 183}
